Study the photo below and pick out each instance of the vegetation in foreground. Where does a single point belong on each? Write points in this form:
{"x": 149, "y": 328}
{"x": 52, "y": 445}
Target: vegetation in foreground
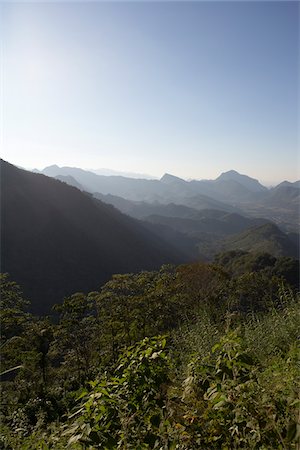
{"x": 192, "y": 357}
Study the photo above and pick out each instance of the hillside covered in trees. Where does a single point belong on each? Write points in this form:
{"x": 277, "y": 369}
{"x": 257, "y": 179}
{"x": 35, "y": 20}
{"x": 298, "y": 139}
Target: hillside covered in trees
{"x": 198, "y": 356}
{"x": 56, "y": 240}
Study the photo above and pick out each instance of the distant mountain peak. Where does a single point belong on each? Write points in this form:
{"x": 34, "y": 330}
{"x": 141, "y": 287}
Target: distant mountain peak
{"x": 53, "y": 166}
{"x": 168, "y": 178}
{"x": 230, "y": 174}
{"x": 285, "y": 183}
{"x": 250, "y": 183}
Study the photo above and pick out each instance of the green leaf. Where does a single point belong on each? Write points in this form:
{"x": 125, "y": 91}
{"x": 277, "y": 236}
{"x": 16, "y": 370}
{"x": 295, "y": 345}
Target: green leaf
{"x": 293, "y": 432}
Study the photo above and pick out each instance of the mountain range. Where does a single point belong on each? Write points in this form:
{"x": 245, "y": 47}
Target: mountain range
{"x": 57, "y": 240}
{"x": 231, "y": 192}
{"x": 67, "y": 229}
{"x": 186, "y": 206}
{"x": 123, "y": 174}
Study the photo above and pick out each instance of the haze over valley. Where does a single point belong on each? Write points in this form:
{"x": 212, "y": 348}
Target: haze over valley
{"x": 67, "y": 229}
{"x": 231, "y": 192}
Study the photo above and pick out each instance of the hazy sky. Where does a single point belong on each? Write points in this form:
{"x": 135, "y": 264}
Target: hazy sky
{"x": 189, "y": 88}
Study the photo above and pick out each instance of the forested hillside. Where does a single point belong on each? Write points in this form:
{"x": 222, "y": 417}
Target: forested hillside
{"x": 135, "y": 354}
{"x": 56, "y": 239}
{"x": 188, "y": 357}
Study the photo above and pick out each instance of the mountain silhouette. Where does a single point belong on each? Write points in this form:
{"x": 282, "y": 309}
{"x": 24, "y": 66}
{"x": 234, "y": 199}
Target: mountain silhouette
{"x": 166, "y": 190}
{"x": 250, "y": 183}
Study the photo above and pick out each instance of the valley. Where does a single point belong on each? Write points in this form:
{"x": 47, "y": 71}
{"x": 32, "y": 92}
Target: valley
{"x": 206, "y": 212}
{"x": 67, "y": 229}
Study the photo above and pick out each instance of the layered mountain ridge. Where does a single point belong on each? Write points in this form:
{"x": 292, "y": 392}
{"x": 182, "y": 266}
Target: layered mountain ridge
{"x": 231, "y": 192}
{"x": 57, "y": 240}
{"x": 72, "y": 229}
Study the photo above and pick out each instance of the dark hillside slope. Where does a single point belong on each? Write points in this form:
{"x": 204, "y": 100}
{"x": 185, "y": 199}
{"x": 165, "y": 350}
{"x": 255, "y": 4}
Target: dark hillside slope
{"x": 224, "y": 224}
{"x": 70, "y": 180}
{"x": 57, "y": 240}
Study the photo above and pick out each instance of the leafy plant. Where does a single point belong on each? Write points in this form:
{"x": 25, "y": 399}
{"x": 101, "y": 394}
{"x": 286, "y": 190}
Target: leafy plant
{"x": 235, "y": 408}
{"x": 126, "y": 410}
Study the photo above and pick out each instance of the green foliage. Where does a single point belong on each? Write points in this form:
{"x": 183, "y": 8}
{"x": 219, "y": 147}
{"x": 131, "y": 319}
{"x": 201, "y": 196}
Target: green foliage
{"x": 273, "y": 334}
{"x": 227, "y": 379}
{"x": 138, "y": 305}
{"x": 238, "y": 262}
{"x": 254, "y": 291}
{"x": 126, "y": 410}
{"x": 13, "y": 308}
{"x": 234, "y": 404}
{"x": 254, "y": 369}
{"x": 74, "y": 336}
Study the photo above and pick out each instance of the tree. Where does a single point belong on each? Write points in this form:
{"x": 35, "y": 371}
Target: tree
{"x": 75, "y": 335}
{"x": 13, "y": 308}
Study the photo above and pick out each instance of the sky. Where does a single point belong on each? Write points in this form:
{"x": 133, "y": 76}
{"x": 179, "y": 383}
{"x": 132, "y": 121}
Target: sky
{"x": 189, "y": 88}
